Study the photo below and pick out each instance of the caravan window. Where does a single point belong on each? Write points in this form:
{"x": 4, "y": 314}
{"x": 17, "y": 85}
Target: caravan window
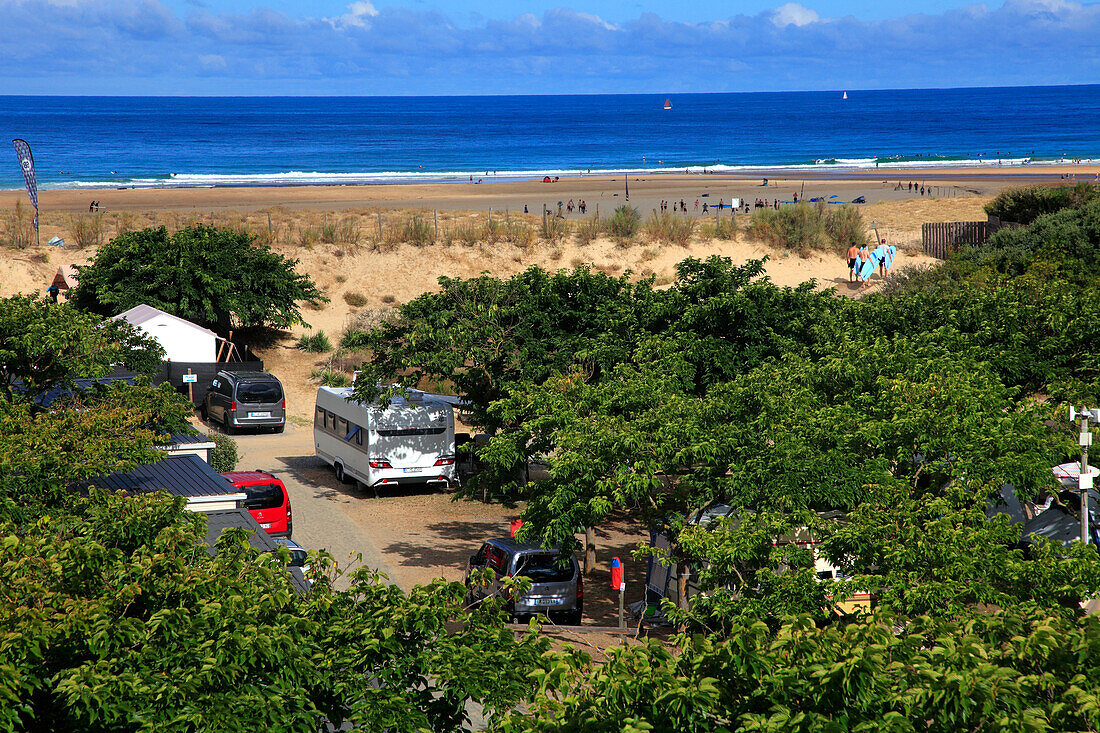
{"x": 343, "y": 425}
{"x": 319, "y": 418}
{"x": 404, "y": 432}
{"x": 358, "y": 435}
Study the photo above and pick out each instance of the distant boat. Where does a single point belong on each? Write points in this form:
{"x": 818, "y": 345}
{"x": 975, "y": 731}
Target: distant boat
{"x": 668, "y": 104}
{"x": 845, "y": 95}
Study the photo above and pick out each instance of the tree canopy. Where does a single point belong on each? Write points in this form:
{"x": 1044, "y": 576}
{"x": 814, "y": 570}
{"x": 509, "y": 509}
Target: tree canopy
{"x": 45, "y": 345}
{"x": 215, "y": 277}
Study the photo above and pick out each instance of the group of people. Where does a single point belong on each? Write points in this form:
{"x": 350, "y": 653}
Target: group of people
{"x": 677, "y": 206}
{"x": 580, "y": 206}
{"x": 94, "y": 206}
{"x": 863, "y": 261}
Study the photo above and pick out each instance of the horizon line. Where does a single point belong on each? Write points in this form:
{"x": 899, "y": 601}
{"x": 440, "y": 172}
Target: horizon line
{"x": 563, "y": 94}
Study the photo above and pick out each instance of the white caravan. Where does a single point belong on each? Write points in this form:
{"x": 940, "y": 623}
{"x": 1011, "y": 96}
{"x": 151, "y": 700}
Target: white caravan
{"x": 410, "y": 442}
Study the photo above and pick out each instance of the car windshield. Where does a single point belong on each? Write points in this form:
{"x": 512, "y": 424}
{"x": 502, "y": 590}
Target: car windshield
{"x": 546, "y": 568}
{"x": 259, "y": 392}
{"x": 267, "y": 496}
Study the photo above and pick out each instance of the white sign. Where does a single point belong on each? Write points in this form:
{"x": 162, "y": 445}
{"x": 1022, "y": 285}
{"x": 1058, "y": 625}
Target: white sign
{"x": 190, "y": 378}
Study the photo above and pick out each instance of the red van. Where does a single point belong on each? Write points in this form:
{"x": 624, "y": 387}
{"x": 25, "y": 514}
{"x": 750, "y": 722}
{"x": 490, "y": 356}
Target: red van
{"x": 266, "y": 500}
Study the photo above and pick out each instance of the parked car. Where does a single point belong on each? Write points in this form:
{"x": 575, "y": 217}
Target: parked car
{"x": 557, "y": 588}
{"x": 266, "y": 500}
{"x": 245, "y": 400}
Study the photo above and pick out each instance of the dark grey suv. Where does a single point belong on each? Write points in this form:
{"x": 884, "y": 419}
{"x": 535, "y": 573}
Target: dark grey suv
{"x": 245, "y": 400}
{"x": 557, "y": 588}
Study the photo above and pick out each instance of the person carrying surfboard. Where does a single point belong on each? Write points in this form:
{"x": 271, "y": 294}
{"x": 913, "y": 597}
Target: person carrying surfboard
{"x": 852, "y": 256}
{"x": 883, "y": 253}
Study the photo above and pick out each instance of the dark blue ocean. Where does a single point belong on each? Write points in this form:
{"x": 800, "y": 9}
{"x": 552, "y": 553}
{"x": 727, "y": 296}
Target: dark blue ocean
{"x": 205, "y": 141}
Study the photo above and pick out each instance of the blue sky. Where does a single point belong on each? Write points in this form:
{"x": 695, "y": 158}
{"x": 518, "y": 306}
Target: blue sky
{"x": 361, "y": 47}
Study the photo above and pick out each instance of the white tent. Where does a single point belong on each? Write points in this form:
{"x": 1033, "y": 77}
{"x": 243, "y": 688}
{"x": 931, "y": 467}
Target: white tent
{"x": 182, "y": 340}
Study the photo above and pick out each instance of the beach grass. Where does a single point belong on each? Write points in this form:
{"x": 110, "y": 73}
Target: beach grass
{"x": 668, "y": 228}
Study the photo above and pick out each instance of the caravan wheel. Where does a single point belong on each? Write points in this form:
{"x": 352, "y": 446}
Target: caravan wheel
{"x": 340, "y": 475}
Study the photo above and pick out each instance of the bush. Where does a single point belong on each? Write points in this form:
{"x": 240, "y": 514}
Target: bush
{"x": 588, "y": 230}
{"x": 722, "y": 229}
{"x": 315, "y": 343}
{"x": 1025, "y": 204}
{"x": 554, "y": 230}
{"x": 624, "y": 223}
{"x": 87, "y": 230}
{"x": 330, "y": 378}
{"x": 418, "y": 232}
{"x": 666, "y": 227}
{"x": 844, "y": 225}
{"x": 355, "y": 300}
{"x": 224, "y": 456}
{"x": 799, "y": 228}
{"x": 18, "y": 228}
{"x": 348, "y": 230}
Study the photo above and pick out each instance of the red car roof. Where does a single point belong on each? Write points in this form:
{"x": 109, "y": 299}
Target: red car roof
{"x": 247, "y": 478}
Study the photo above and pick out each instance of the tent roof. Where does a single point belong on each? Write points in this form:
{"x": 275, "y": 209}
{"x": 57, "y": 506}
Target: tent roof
{"x": 140, "y": 314}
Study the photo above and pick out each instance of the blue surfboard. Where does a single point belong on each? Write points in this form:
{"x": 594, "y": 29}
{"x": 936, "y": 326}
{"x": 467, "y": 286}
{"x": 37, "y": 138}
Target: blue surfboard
{"x": 868, "y": 268}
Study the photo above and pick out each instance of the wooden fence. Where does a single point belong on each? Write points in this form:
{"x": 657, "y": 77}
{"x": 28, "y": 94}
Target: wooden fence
{"x": 940, "y": 239}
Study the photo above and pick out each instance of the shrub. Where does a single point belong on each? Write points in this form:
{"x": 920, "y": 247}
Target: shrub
{"x": 124, "y": 222}
{"x": 348, "y": 230}
{"x": 308, "y": 236}
{"x": 467, "y": 233}
{"x": 315, "y": 343}
{"x": 330, "y": 378}
{"x": 722, "y": 229}
{"x": 224, "y": 456}
{"x": 355, "y": 300}
{"x": 624, "y": 223}
{"x": 328, "y": 233}
{"x": 418, "y": 232}
{"x": 87, "y": 230}
{"x": 554, "y": 230}
{"x": 519, "y": 233}
{"x": 666, "y": 227}
{"x": 588, "y": 230}
{"x": 1025, "y": 204}
{"x": 799, "y": 228}
{"x": 18, "y": 228}
{"x": 844, "y": 225}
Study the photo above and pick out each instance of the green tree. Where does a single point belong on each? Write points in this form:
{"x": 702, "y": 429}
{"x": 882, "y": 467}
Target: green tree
{"x": 216, "y": 277}
{"x": 45, "y": 345}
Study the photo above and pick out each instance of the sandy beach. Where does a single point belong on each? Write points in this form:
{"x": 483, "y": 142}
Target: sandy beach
{"x": 365, "y": 275}
{"x": 646, "y": 191}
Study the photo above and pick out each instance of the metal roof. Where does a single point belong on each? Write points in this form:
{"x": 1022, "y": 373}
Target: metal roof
{"x": 222, "y": 519}
{"x": 140, "y": 314}
{"x": 187, "y": 476}
{"x": 179, "y": 439}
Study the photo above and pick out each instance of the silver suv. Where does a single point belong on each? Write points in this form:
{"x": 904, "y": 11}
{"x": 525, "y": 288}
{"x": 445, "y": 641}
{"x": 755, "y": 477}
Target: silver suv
{"x": 240, "y": 400}
{"x": 557, "y": 588}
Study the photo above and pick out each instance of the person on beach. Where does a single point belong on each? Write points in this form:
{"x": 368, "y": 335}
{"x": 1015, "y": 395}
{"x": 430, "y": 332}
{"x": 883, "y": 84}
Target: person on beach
{"x": 864, "y": 272}
{"x": 852, "y": 256}
{"x": 883, "y": 253}
{"x": 704, "y": 207}
{"x": 696, "y": 204}
{"x": 525, "y": 208}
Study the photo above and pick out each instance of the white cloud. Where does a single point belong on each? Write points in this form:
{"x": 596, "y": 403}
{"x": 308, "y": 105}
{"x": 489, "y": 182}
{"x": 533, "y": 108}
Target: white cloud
{"x": 358, "y": 16}
{"x": 793, "y": 14}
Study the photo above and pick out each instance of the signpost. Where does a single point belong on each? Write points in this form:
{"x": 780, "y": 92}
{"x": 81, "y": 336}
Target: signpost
{"x": 1084, "y": 478}
{"x": 190, "y": 379}
{"x": 617, "y": 583}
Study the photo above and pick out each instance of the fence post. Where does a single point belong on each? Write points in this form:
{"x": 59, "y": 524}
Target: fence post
{"x": 379, "y": 226}
{"x": 435, "y": 213}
